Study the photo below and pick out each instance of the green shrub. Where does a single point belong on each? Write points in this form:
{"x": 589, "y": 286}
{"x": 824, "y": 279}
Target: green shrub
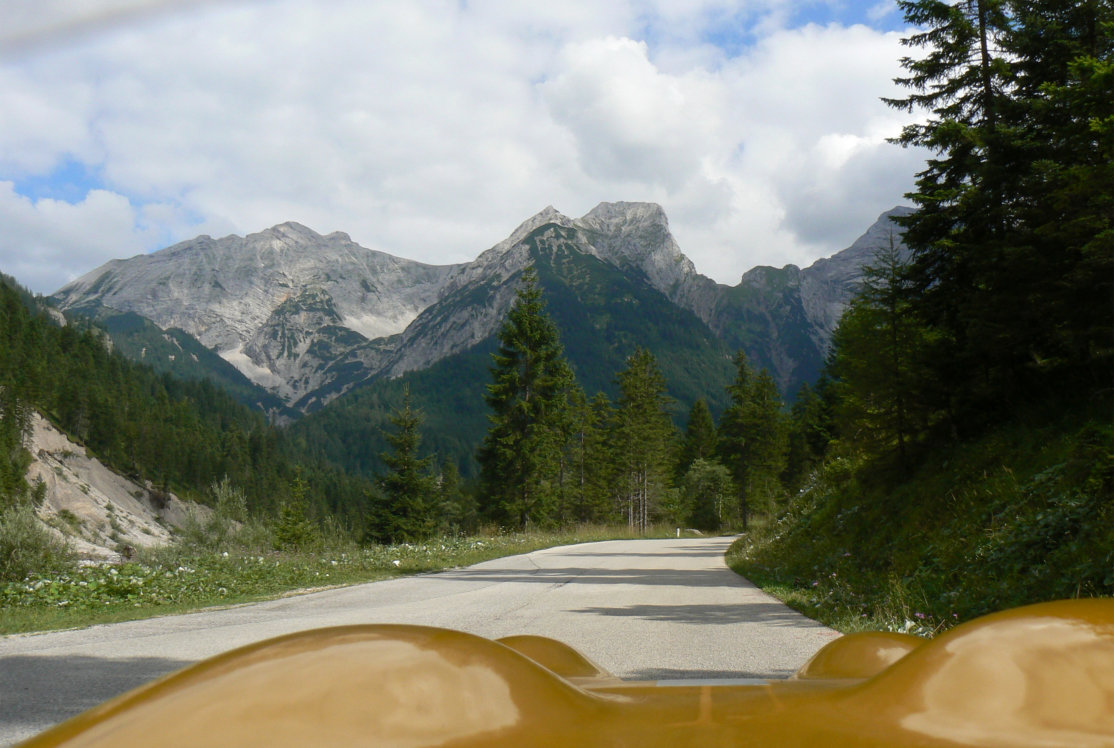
{"x": 26, "y": 546}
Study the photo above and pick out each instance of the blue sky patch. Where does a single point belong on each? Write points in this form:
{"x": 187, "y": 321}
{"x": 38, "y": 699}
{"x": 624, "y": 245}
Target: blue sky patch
{"x": 70, "y": 182}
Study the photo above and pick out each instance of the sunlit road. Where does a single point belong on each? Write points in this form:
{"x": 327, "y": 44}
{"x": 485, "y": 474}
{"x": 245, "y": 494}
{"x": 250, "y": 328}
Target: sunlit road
{"x": 643, "y": 609}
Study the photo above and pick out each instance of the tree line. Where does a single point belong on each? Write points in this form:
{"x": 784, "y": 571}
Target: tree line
{"x": 554, "y": 457}
{"x": 169, "y": 434}
{"x": 1008, "y": 298}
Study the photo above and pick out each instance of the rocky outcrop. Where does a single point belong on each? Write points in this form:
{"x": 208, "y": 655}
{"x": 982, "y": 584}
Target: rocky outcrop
{"x": 258, "y": 300}
{"x": 98, "y": 512}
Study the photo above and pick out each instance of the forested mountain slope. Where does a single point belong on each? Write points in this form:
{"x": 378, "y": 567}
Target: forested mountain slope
{"x": 178, "y": 435}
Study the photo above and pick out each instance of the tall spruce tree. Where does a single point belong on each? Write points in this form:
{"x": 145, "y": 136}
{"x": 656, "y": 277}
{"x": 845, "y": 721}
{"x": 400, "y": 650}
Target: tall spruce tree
{"x": 521, "y": 458}
{"x": 877, "y": 360}
{"x": 753, "y": 438}
{"x": 699, "y": 440}
{"x": 603, "y": 472}
{"x": 810, "y": 432}
{"x": 645, "y": 435}
{"x": 15, "y": 459}
{"x": 409, "y": 490}
{"x": 1012, "y": 234}
{"x": 708, "y": 494}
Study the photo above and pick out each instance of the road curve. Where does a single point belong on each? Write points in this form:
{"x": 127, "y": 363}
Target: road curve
{"x": 643, "y": 609}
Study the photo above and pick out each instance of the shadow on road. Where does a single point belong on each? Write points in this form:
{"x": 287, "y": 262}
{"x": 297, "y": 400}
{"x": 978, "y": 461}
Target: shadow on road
{"x": 768, "y": 614}
{"x": 579, "y": 575}
{"x": 41, "y": 691}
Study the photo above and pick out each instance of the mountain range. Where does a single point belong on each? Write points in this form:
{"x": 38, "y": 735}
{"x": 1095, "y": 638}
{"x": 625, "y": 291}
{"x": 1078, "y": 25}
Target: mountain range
{"x": 297, "y": 319}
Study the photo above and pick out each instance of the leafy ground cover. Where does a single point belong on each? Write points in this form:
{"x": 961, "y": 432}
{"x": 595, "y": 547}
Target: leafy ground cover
{"x": 176, "y": 579}
{"x": 1021, "y": 515}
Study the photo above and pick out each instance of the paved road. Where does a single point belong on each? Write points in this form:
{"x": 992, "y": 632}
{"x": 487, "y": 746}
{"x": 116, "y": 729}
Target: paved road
{"x": 643, "y": 609}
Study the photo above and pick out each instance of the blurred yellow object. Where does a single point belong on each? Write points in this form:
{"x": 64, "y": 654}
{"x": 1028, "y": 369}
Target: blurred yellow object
{"x": 1042, "y": 675}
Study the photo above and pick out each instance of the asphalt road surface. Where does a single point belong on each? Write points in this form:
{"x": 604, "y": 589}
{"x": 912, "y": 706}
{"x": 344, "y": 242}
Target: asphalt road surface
{"x": 643, "y": 609}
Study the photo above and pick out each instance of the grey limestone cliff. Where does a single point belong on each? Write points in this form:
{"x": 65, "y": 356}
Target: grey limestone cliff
{"x": 309, "y": 316}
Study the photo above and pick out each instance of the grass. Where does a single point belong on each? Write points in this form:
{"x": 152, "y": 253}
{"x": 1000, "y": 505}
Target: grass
{"x": 1021, "y": 515}
{"x": 178, "y": 579}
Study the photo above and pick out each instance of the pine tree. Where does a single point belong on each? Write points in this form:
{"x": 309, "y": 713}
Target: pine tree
{"x": 15, "y": 459}
{"x": 877, "y": 360}
{"x": 603, "y": 474}
{"x": 521, "y": 455}
{"x": 810, "y": 432}
{"x": 753, "y": 439}
{"x": 1012, "y": 237}
{"x": 765, "y": 425}
{"x": 699, "y": 440}
{"x": 458, "y": 506}
{"x": 408, "y": 487}
{"x": 732, "y": 441}
{"x": 645, "y": 436}
{"x": 294, "y": 529}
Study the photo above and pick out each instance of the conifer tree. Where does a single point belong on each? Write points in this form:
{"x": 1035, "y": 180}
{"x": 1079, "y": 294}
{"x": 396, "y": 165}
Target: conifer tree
{"x": 699, "y": 440}
{"x": 809, "y": 433}
{"x": 765, "y": 426}
{"x": 522, "y": 453}
{"x": 458, "y": 506}
{"x": 877, "y": 360}
{"x": 293, "y": 528}
{"x": 645, "y": 436}
{"x": 409, "y": 492}
{"x": 15, "y": 424}
{"x": 753, "y": 438}
{"x": 603, "y": 473}
{"x": 1012, "y": 236}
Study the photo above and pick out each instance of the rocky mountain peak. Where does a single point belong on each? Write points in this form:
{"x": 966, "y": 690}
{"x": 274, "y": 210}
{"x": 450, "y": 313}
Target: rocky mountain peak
{"x": 636, "y": 236}
{"x": 549, "y": 214}
{"x": 624, "y": 215}
{"x": 290, "y": 231}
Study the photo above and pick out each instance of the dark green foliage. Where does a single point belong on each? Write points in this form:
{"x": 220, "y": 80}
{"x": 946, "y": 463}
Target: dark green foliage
{"x": 972, "y": 465}
{"x": 753, "y": 439}
{"x": 699, "y": 440}
{"x": 604, "y": 481}
{"x": 709, "y": 495}
{"x": 15, "y": 425}
{"x": 810, "y": 433}
{"x": 408, "y": 488}
{"x": 460, "y": 515}
{"x": 521, "y": 458}
{"x": 1012, "y": 236}
{"x": 643, "y": 437}
{"x": 878, "y": 361}
{"x": 293, "y": 529}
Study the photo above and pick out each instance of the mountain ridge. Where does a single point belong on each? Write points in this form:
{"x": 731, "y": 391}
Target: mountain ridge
{"x": 309, "y": 316}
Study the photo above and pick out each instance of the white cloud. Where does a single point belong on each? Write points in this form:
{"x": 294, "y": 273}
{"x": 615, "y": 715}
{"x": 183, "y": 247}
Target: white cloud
{"x": 40, "y": 238}
{"x": 431, "y": 128}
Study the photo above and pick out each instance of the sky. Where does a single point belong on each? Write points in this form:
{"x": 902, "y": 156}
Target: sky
{"x": 430, "y": 129}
